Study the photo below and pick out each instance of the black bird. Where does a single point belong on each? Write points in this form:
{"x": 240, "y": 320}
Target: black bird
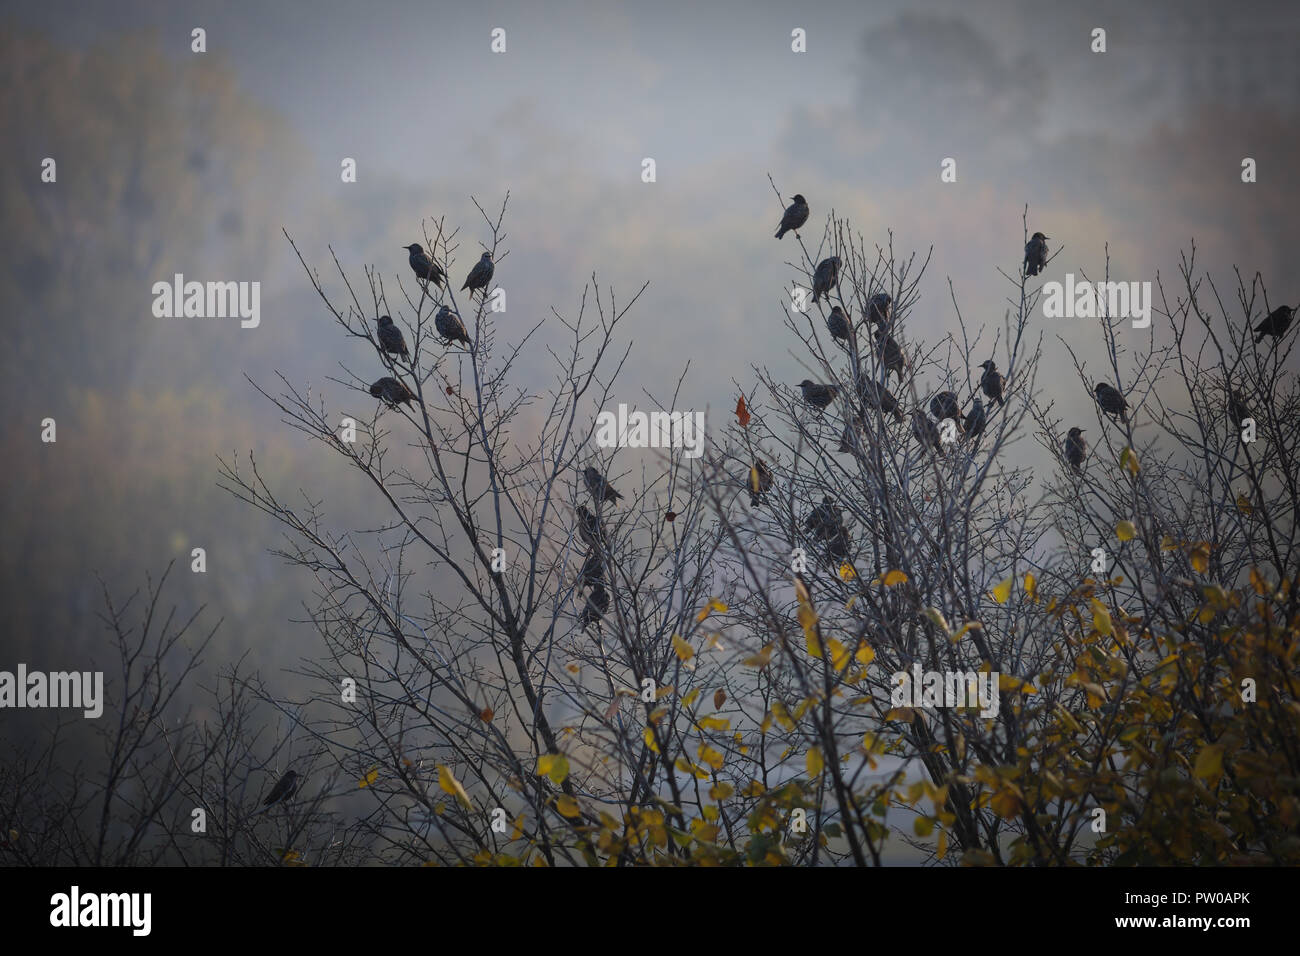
{"x": 593, "y": 570}
{"x": 796, "y": 215}
{"x": 824, "y": 520}
{"x": 392, "y": 392}
{"x": 422, "y": 264}
{"x": 601, "y": 490}
{"x": 450, "y": 327}
{"x": 1036, "y": 254}
{"x": 589, "y": 528}
{"x": 876, "y": 395}
{"x": 597, "y": 605}
{"x": 926, "y": 432}
{"x": 891, "y": 356}
{"x": 818, "y": 395}
{"x": 390, "y": 338}
{"x": 1275, "y": 323}
{"x": 975, "y": 420}
{"x": 480, "y": 275}
{"x": 824, "y": 279}
{"x": 1110, "y": 400}
{"x": 284, "y": 788}
{"x": 944, "y": 405}
{"x": 1238, "y": 410}
{"x": 837, "y": 545}
{"x": 760, "y": 482}
{"x": 1075, "y": 449}
{"x": 880, "y": 310}
{"x": 838, "y": 324}
{"x": 992, "y": 381}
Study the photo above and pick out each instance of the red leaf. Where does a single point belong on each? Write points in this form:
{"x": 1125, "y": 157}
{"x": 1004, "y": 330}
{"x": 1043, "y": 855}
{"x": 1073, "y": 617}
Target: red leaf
{"x": 742, "y": 413}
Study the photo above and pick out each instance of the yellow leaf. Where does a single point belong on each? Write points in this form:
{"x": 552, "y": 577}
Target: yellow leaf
{"x": 715, "y": 723}
{"x": 371, "y": 776}
{"x": 649, "y": 737}
{"x": 1201, "y": 557}
{"x": 1031, "y": 586}
{"x": 1009, "y": 683}
{"x": 713, "y": 605}
{"x": 761, "y": 659}
{"x": 839, "y": 654}
{"x": 555, "y": 766}
{"x": 1126, "y": 531}
{"x": 1244, "y": 505}
{"x": 1002, "y": 591}
{"x": 710, "y": 756}
{"x": 1100, "y": 618}
{"x": 846, "y": 572}
{"x": 683, "y": 649}
{"x": 568, "y": 806}
{"x": 1209, "y": 763}
{"x": 1128, "y": 459}
{"x": 688, "y": 700}
{"x": 865, "y": 654}
{"x": 1168, "y": 544}
{"x": 936, "y": 618}
{"x": 451, "y": 785}
{"x": 808, "y": 621}
{"x": 942, "y": 850}
{"x": 814, "y": 762}
{"x": 721, "y": 790}
{"x": 895, "y": 577}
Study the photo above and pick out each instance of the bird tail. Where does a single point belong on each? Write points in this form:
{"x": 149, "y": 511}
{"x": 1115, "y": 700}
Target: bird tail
{"x": 780, "y": 232}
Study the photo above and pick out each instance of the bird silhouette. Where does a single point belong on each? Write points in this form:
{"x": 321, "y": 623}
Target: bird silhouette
{"x": 1110, "y": 400}
{"x": 1275, "y": 323}
{"x": 824, "y": 520}
{"x": 891, "y": 356}
{"x": 760, "y": 482}
{"x": 590, "y": 529}
{"x": 838, "y": 324}
{"x": 390, "y": 338}
{"x": 796, "y": 214}
{"x": 593, "y": 570}
{"x": 876, "y": 395}
{"x": 601, "y": 490}
{"x": 825, "y": 277}
{"x": 597, "y": 605}
{"x": 926, "y": 432}
{"x": 880, "y": 310}
{"x": 284, "y": 789}
{"x": 975, "y": 419}
{"x": 392, "y": 392}
{"x": 1036, "y": 254}
{"x": 422, "y": 264}
{"x": 450, "y": 327}
{"x": 1076, "y": 449}
{"x": 480, "y": 275}
{"x": 817, "y": 395}
{"x": 944, "y": 405}
{"x": 992, "y": 381}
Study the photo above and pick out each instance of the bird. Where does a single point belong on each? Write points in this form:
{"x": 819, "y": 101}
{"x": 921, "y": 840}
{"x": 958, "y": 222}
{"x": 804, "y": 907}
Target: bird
{"x": 392, "y": 392}
{"x": 824, "y": 279}
{"x": 601, "y": 490}
{"x": 838, "y": 324}
{"x": 1275, "y": 323}
{"x": 825, "y": 519}
{"x": 926, "y": 432}
{"x": 992, "y": 381}
{"x": 1238, "y": 410}
{"x": 975, "y": 420}
{"x": 480, "y": 275}
{"x": 796, "y": 214}
{"x": 284, "y": 789}
{"x": 593, "y": 570}
{"x": 880, "y": 310}
{"x": 422, "y": 264}
{"x": 450, "y": 327}
{"x": 597, "y": 605}
{"x": 891, "y": 356}
{"x": 1036, "y": 254}
{"x": 837, "y": 545}
{"x": 390, "y": 338}
{"x": 1075, "y": 449}
{"x": 944, "y": 405}
{"x": 817, "y": 395}
{"x": 760, "y": 482}
{"x": 1110, "y": 400}
{"x": 589, "y": 528}
{"x": 847, "y": 436}
{"x": 876, "y": 395}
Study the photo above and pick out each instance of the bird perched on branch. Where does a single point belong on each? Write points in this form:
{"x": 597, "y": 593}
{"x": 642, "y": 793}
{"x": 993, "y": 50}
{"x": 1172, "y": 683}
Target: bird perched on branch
{"x": 450, "y": 327}
{"x": 422, "y": 264}
{"x": 992, "y": 381}
{"x": 601, "y": 490}
{"x": 944, "y": 405}
{"x": 825, "y": 519}
{"x": 975, "y": 419}
{"x": 838, "y": 324}
{"x": 1238, "y": 410}
{"x": 891, "y": 356}
{"x": 390, "y": 338}
{"x": 480, "y": 275}
{"x": 851, "y": 428}
{"x": 796, "y": 214}
{"x": 825, "y": 277}
{"x": 1275, "y": 323}
{"x": 880, "y": 311}
{"x": 1036, "y": 254}
{"x": 284, "y": 789}
{"x": 590, "y": 529}
{"x": 760, "y": 482}
{"x": 926, "y": 432}
{"x": 838, "y": 544}
{"x": 1076, "y": 449}
{"x": 1110, "y": 400}
{"x": 875, "y": 395}
{"x": 392, "y": 392}
{"x": 817, "y": 395}
{"x": 597, "y": 605}
{"x": 593, "y": 570}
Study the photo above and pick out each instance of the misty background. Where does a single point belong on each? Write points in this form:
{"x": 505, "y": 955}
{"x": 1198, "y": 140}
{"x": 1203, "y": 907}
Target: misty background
{"x": 171, "y": 161}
